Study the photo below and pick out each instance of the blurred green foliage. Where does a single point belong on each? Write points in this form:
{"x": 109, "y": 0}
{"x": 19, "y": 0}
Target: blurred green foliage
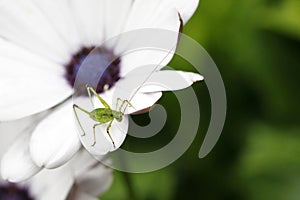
{"x": 256, "y": 46}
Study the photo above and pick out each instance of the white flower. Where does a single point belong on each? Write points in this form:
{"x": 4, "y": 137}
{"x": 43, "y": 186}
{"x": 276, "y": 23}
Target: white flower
{"x": 81, "y": 178}
{"x": 43, "y": 43}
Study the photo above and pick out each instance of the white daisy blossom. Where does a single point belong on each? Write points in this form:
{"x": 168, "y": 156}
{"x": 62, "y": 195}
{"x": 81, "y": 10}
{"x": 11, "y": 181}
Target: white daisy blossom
{"x": 38, "y": 41}
{"x": 81, "y": 178}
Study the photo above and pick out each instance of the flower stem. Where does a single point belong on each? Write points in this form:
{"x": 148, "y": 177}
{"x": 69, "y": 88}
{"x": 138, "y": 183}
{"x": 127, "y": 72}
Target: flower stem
{"x": 129, "y": 185}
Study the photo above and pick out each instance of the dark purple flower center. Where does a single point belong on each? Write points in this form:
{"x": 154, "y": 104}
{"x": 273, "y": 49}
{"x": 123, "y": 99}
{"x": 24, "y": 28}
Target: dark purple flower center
{"x": 95, "y": 66}
{"x": 14, "y": 192}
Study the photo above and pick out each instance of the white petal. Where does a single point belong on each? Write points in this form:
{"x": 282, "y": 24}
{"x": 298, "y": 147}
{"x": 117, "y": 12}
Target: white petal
{"x": 170, "y": 80}
{"x": 89, "y": 18}
{"x": 16, "y": 164}
{"x": 152, "y": 14}
{"x": 103, "y": 144}
{"x": 82, "y": 162}
{"x": 29, "y": 89}
{"x": 55, "y": 141}
{"x": 23, "y": 23}
{"x": 142, "y": 12}
{"x": 59, "y": 15}
{"x": 143, "y": 86}
{"x": 156, "y": 40}
{"x": 116, "y": 14}
{"x": 146, "y": 57}
{"x": 14, "y": 52}
{"x": 143, "y": 101}
{"x": 95, "y": 181}
{"x": 10, "y": 130}
{"x": 186, "y": 8}
{"x": 52, "y": 184}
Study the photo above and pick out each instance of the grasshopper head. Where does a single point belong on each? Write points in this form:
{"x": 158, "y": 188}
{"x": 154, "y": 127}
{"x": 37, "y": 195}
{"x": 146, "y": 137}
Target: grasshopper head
{"x": 118, "y": 115}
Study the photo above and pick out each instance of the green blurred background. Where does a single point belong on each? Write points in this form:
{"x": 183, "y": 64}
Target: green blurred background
{"x": 256, "y": 46}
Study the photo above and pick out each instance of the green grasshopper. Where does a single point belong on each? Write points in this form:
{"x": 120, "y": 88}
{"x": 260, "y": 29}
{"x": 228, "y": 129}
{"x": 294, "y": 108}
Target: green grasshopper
{"x": 102, "y": 115}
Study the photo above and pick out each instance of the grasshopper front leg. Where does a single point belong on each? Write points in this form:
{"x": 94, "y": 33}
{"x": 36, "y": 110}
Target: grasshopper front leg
{"x": 122, "y": 104}
{"x": 77, "y": 118}
{"x": 94, "y": 132}
{"x": 107, "y": 131}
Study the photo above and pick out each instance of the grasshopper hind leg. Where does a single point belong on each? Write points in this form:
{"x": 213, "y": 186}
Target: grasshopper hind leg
{"x": 107, "y": 131}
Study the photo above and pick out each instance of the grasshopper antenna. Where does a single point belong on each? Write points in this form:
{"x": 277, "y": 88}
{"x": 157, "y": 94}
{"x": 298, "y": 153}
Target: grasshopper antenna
{"x": 169, "y": 52}
{"x": 136, "y": 91}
